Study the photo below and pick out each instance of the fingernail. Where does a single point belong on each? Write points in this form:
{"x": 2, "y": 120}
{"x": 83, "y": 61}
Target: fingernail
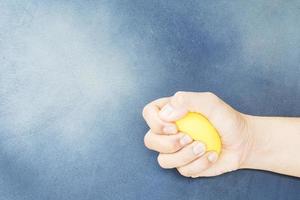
{"x": 170, "y": 129}
{"x": 166, "y": 111}
{"x": 185, "y": 140}
{"x": 199, "y": 149}
{"x": 212, "y": 157}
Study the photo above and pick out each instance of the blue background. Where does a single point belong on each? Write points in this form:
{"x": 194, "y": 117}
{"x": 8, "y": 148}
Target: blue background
{"x": 75, "y": 75}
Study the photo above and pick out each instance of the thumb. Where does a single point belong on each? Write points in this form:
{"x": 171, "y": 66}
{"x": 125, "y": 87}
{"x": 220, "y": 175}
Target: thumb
{"x": 183, "y": 102}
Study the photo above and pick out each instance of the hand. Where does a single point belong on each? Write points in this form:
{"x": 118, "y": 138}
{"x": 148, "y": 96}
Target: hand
{"x": 178, "y": 150}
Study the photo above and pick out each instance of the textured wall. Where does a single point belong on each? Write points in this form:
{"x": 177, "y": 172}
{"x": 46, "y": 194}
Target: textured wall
{"x": 75, "y": 75}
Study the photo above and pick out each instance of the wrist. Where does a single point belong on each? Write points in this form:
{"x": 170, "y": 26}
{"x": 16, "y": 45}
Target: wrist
{"x": 275, "y": 144}
{"x": 258, "y": 150}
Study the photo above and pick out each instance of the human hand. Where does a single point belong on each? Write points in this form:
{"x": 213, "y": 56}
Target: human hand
{"x": 178, "y": 150}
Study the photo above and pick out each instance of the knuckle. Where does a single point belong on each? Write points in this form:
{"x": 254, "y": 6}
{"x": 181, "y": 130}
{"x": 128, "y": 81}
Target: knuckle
{"x": 179, "y": 93}
{"x": 145, "y": 111}
{"x": 183, "y": 172}
{"x": 151, "y": 119}
{"x": 161, "y": 162}
{"x": 212, "y": 98}
{"x": 147, "y": 140}
{"x": 179, "y": 97}
{"x": 174, "y": 146}
{"x": 210, "y": 95}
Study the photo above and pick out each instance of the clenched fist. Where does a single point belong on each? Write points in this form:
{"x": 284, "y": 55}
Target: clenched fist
{"x": 178, "y": 150}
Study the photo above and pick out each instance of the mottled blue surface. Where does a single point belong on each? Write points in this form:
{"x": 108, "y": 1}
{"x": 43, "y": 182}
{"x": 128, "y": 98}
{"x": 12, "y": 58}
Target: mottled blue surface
{"x": 75, "y": 75}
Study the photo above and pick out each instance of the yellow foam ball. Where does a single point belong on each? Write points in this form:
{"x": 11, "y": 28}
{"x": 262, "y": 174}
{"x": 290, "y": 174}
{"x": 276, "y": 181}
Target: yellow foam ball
{"x": 199, "y": 128}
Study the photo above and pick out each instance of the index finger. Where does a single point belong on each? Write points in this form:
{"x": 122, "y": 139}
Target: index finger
{"x": 150, "y": 114}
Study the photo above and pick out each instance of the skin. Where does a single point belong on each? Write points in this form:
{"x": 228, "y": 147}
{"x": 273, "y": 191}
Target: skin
{"x": 252, "y": 142}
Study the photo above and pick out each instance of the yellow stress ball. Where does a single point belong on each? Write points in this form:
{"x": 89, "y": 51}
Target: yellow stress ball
{"x": 199, "y": 128}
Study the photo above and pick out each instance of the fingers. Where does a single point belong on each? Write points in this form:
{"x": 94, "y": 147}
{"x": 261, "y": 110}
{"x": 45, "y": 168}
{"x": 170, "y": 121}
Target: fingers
{"x": 166, "y": 143}
{"x": 197, "y": 167}
{"x": 182, "y": 102}
{"x": 182, "y": 157}
{"x": 171, "y": 113}
{"x": 150, "y": 114}
{"x": 178, "y": 150}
